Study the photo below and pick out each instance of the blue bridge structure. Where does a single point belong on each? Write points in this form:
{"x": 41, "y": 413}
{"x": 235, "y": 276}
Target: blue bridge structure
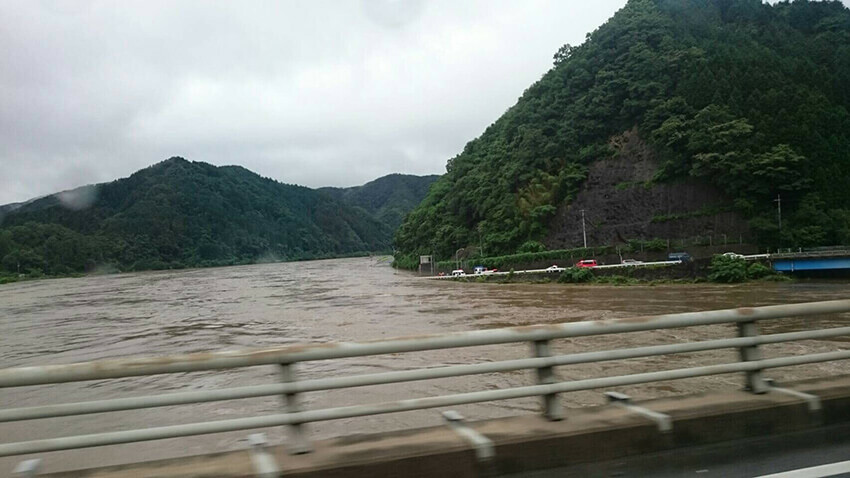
{"x": 812, "y": 261}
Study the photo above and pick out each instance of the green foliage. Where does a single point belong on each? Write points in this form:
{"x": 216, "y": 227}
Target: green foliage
{"x": 704, "y": 211}
{"x": 616, "y": 280}
{"x": 777, "y": 278}
{"x": 179, "y": 214}
{"x": 531, "y": 246}
{"x": 574, "y": 275}
{"x": 727, "y": 269}
{"x": 388, "y": 198}
{"x": 653, "y": 245}
{"x": 758, "y": 271}
{"x": 747, "y": 96}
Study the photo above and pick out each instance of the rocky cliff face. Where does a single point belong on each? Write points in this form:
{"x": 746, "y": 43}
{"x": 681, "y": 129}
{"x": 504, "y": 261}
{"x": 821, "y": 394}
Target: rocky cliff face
{"x": 621, "y": 203}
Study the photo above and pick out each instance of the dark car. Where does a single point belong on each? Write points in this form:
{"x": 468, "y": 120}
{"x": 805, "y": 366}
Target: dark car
{"x": 679, "y": 256}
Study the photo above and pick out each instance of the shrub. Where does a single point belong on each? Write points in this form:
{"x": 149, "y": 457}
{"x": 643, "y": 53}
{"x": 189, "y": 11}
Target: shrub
{"x": 531, "y": 246}
{"x": 574, "y": 275}
{"x": 778, "y": 278}
{"x": 727, "y": 269}
{"x": 758, "y": 271}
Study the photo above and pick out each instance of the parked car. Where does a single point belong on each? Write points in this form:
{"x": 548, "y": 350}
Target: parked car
{"x": 733, "y": 255}
{"x": 631, "y": 262}
{"x": 458, "y": 273}
{"x": 587, "y": 263}
{"x": 679, "y": 256}
{"x": 479, "y": 270}
{"x": 554, "y": 268}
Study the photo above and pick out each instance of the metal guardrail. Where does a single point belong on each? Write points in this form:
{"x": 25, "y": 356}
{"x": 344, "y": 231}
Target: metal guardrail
{"x": 547, "y": 386}
{"x": 554, "y": 269}
{"x": 811, "y": 254}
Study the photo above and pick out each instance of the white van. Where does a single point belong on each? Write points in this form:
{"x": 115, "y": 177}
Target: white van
{"x": 458, "y": 273}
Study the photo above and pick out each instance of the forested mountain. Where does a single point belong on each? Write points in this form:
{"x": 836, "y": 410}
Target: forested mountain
{"x": 743, "y": 98}
{"x": 388, "y": 198}
{"x": 179, "y": 213}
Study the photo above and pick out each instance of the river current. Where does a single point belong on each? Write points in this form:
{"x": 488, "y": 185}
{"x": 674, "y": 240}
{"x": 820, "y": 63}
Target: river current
{"x": 62, "y": 321}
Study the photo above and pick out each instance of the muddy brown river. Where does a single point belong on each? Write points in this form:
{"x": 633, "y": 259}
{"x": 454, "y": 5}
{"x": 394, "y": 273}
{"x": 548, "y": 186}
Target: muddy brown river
{"x": 160, "y": 313}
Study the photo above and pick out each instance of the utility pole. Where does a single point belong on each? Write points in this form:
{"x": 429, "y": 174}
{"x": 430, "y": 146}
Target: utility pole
{"x": 778, "y": 202}
{"x": 480, "y": 242}
{"x": 457, "y": 257}
{"x": 583, "y": 230}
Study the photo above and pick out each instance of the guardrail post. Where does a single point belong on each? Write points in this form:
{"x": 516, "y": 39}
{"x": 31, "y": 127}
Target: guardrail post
{"x": 299, "y": 444}
{"x": 755, "y": 380}
{"x": 27, "y": 468}
{"x": 546, "y": 375}
{"x": 263, "y": 462}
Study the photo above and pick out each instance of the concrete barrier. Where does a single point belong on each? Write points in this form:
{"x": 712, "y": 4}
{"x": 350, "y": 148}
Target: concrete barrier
{"x": 523, "y": 443}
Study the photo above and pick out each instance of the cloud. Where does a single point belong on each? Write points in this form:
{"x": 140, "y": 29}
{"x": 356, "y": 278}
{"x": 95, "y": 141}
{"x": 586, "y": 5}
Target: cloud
{"x": 315, "y": 93}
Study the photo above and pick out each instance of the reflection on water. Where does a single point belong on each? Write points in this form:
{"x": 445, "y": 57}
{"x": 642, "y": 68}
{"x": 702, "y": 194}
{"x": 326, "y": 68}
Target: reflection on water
{"x": 159, "y": 313}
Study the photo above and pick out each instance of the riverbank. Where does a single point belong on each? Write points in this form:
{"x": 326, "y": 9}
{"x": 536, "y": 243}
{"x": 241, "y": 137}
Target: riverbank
{"x": 722, "y": 270}
{"x": 9, "y": 279}
{"x": 111, "y": 269}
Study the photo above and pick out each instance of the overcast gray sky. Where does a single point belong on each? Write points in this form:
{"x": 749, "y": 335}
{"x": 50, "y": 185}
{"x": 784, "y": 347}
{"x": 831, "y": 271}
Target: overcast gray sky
{"x": 318, "y": 93}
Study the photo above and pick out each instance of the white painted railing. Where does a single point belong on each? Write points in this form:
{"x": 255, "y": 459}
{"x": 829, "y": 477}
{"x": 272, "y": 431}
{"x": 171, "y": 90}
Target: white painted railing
{"x": 547, "y": 386}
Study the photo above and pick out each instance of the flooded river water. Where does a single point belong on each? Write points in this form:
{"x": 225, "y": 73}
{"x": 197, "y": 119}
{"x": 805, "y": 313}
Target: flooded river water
{"x": 160, "y": 313}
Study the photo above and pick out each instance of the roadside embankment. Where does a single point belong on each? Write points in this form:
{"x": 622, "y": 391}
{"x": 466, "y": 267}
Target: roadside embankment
{"x": 525, "y": 443}
{"x": 716, "y": 269}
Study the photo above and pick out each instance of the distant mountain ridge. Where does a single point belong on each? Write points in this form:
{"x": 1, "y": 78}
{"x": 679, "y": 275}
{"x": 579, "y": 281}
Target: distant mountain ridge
{"x": 388, "y": 198}
{"x": 180, "y": 213}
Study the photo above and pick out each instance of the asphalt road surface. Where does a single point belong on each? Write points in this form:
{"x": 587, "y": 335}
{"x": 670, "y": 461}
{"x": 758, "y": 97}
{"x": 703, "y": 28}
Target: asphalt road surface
{"x": 738, "y": 459}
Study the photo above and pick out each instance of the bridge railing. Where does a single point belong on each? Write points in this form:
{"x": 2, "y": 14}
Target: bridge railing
{"x": 811, "y": 253}
{"x": 547, "y": 386}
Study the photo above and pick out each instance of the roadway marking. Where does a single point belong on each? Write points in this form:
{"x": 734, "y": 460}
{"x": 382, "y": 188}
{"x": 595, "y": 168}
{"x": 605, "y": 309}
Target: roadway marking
{"x": 831, "y": 469}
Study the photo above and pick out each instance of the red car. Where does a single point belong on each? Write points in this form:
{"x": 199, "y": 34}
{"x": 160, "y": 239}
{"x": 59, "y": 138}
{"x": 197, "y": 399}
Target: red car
{"x": 587, "y": 263}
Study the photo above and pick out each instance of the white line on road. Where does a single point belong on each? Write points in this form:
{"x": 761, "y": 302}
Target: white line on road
{"x": 831, "y": 469}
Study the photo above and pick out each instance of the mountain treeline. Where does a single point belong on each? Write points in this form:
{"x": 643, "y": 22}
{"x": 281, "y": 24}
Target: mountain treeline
{"x": 749, "y": 97}
{"x": 179, "y": 214}
{"x": 388, "y": 198}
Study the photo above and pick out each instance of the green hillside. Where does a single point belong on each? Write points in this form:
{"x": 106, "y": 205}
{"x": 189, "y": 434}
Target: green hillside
{"x": 388, "y": 198}
{"x": 748, "y": 98}
{"x": 180, "y": 214}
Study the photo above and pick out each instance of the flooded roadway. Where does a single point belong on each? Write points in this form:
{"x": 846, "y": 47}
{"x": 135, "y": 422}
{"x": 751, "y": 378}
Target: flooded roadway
{"x": 161, "y": 313}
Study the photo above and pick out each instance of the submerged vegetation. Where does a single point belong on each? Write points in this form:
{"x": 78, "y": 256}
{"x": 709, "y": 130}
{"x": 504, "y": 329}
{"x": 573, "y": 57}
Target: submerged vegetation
{"x": 726, "y": 269}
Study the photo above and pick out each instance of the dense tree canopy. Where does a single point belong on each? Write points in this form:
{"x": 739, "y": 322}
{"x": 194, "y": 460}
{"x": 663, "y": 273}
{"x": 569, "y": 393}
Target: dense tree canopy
{"x": 388, "y": 198}
{"x": 180, "y": 214}
{"x": 749, "y": 97}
